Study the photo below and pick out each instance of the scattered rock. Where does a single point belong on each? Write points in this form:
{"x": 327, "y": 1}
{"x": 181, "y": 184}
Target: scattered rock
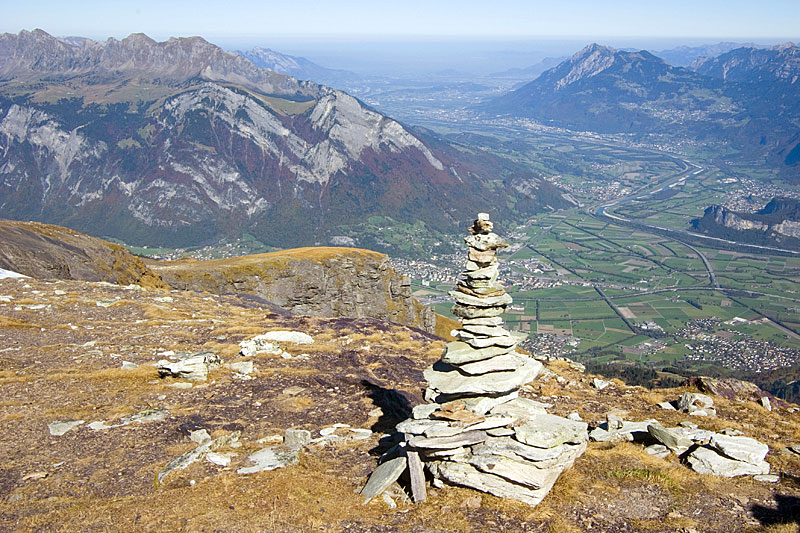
{"x": 259, "y": 344}
{"x": 600, "y": 384}
{"x": 696, "y": 404}
{"x": 271, "y": 458}
{"x": 658, "y": 450}
{"x": 192, "y": 456}
{"x": 740, "y": 448}
{"x": 293, "y": 337}
{"x": 242, "y": 367}
{"x": 765, "y": 403}
{"x": 219, "y": 459}
{"x": 200, "y": 436}
{"x": 193, "y": 367}
{"x": 383, "y": 476}
{"x": 767, "y": 478}
{"x": 706, "y": 461}
{"x": 127, "y": 365}
{"x": 58, "y": 427}
{"x": 675, "y": 442}
{"x": 296, "y": 438}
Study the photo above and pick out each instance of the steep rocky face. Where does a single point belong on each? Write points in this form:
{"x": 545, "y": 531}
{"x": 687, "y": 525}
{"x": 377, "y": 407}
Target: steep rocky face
{"x": 750, "y": 64}
{"x": 322, "y": 282}
{"x": 179, "y": 143}
{"x": 777, "y": 223}
{"x": 37, "y": 53}
{"x": 43, "y": 251}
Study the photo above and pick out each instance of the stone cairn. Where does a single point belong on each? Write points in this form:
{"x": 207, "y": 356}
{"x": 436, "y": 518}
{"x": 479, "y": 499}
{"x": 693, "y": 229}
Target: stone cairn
{"x": 476, "y": 431}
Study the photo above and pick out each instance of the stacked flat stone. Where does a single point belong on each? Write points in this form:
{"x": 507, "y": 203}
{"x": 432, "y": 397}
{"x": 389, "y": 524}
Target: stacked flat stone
{"x": 476, "y": 431}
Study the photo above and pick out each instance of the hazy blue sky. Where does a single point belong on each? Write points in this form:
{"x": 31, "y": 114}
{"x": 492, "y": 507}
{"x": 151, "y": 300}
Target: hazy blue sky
{"x": 250, "y": 19}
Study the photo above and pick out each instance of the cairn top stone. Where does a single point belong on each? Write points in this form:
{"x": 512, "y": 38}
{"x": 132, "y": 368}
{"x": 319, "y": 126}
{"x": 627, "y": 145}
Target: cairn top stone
{"x": 481, "y": 226}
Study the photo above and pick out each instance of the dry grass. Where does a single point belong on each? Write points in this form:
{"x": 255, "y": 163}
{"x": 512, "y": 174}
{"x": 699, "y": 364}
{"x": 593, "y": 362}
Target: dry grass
{"x": 15, "y": 323}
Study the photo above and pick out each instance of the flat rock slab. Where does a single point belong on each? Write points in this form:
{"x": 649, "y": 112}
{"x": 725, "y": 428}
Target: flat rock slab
{"x": 501, "y": 363}
{"x": 58, "y": 427}
{"x": 486, "y": 331}
{"x": 562, "y": 454}
{"x": 383, "y": 476}
{"x": 740, "y": 448}
{"x": 521, "y": 472}
{"x": 506, "y": 341}
{"x": 674, "y": 441}
{"x": 548, "y": 431}
{"x": 468, "y": 476}
{"x": 466, "y": 311}
{"x": 446, "y": 379}
{"x": 706, "y": 461}
{"x": 520, "y": 409}
{"x": 467, "y": 438}
{"x": 458, "y": 352}
{"x": 491, "y": 321}
{"x": 486, "y": 301}
{"x": 293, "y": 337}
{"x": 271, "y": 458}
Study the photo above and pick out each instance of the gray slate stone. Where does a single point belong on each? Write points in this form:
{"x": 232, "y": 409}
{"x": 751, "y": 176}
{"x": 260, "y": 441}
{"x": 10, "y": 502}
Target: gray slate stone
{"x": 740, "y": 448}
{"x": 292, "y": 337}
{"x": 424, "y": 410}
{"x": 463, "y": 439}
{"x": 691, "y": 402}
{"x": 486, "y": 301}
{"x": 548, "y": 431}
{"x": 447, "y": 379}
{"x": 520, "y": 409}
{"x": 672, "y": 440}
{"x": 296, "y": 438}
{"x": 59, "y": 427}
{"x": 271, "y": 458}
{"x": 486, "y": 331}
{"x": 520, "y": 472}
{"x": 658, "y": 450}
{"x": 501, "y": 363}
{"x": 383, "y": 476}
{"x": 507, "y": 341}
{"x": 458, "y": 353}
{"x": 490, "y": 321}
{"x": 193, "y": 368}
{"x": 417, "y": 477}
{"x": 466, "y": 311}
{"x": 468, "y": 476}
{"x": 706, "y": 461}
{"x": 561, "y": 456}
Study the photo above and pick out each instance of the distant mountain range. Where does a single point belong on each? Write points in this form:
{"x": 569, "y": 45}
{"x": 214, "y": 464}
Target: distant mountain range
{"x": 683, "y": 56}
{"x": 180, "y": 143}
{"x": 748, "y": 97}
{"x": 298, "y": 67}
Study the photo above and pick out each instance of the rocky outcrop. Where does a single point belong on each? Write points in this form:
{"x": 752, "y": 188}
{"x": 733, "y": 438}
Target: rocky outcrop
{"x": 777, "y": 222}
{"x": 44, "y": 251}
{"x": 325, "y": 282}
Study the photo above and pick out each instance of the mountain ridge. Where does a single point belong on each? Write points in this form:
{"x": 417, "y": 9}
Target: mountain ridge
{"x": 183, "y": 154}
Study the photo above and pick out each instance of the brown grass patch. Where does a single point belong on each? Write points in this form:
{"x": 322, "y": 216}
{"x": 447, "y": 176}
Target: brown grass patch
{"x": 14, "y": 323}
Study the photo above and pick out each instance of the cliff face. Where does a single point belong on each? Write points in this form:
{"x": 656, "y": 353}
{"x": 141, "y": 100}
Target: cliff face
{"x": 323, "y": 282}
{"x": 777, "y": 223}
{"x": 44, "y": 251}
